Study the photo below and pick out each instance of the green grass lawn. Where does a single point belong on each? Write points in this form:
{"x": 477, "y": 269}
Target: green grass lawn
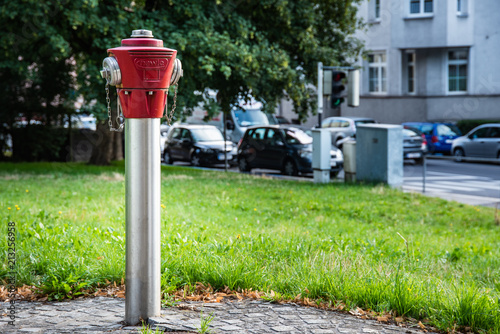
{"x": 367, "y": 246}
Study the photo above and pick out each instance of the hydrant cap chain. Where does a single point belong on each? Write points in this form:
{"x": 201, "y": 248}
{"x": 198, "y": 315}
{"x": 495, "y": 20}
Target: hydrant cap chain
{"x": 142, "y": 33}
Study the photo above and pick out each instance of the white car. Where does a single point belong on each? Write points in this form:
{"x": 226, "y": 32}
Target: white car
{"x": 343, "y": 127}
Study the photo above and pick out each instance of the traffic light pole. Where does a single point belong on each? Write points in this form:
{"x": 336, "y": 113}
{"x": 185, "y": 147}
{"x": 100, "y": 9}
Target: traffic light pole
{"x": 320, "y": 93}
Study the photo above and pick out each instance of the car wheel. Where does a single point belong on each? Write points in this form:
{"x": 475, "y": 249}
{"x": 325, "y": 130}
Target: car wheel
{"x": 334, "y": 174}
{"x": 458, "y": 154}
{"x": 195, "y": 160}
{"x": 289, "y": 168}
{"x": 338, "y": 144}
{"x": 167, "y": 158}
{"x": 243, "y": 165}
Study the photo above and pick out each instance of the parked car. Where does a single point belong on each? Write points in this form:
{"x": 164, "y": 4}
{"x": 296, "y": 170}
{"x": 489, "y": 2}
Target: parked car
{"x": 242, "y": 118}
{"x": 242, "y": 115}
{"x": 481, "y": 142}
{"x": 414, "y": 145}
{"x": 78, "y": 121}
{"x": 342, "y": 127}
{"x": 282, "y": 147}
{"x": 439, "y": 136}
{"x": 163, "y": 137}
{"x": 202, "y": 145}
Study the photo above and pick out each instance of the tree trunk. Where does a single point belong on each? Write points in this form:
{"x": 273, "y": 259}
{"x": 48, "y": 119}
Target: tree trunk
{"x": 102, "y": 151}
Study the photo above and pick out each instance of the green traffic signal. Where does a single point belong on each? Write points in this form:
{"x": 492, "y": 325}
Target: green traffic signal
{"x": 337, "y": 101}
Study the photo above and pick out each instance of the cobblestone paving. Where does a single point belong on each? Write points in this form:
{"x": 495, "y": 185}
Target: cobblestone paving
{"x": 105, "y": 315}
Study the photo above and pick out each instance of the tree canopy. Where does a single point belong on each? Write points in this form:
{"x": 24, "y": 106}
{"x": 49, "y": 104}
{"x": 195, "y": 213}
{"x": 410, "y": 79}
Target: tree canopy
{"x": 263, "y": 49}
{"x": 52, "y": 51}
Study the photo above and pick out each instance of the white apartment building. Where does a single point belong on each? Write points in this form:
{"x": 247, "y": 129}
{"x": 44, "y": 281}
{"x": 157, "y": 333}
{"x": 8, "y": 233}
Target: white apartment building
{"x": 429, "y": 60}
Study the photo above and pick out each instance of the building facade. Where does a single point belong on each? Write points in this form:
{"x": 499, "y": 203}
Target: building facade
{"x": 429, "y": 60}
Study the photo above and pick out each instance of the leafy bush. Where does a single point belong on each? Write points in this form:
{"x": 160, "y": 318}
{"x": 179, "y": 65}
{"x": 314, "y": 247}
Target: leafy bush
{"x": 39, "y": 143}
{"x": 468, "y": 124}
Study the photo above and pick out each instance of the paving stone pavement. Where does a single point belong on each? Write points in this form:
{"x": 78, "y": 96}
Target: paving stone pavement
{"x": 105, "y": 315}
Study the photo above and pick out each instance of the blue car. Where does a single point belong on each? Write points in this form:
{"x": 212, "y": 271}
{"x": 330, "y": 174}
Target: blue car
{"x": 439, "y": 136}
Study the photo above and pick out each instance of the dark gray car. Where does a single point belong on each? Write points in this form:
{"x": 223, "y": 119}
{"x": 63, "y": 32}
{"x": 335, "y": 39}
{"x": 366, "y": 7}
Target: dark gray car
{"x": 286, "y": 148}
{"x": 202, "y": 145}
{"x": 481, "y": 142}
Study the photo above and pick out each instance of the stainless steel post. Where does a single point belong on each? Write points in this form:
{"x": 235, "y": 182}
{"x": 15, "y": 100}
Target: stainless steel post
{"x": 424, "y": 171}
{"x": 142, "y": 187}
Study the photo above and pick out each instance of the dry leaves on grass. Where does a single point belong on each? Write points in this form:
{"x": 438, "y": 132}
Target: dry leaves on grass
{"x": 111, "y": 290}
{"x": 32, "y": 293}
{"x": 206, "y": 293}
{"x": 25, "y": 292}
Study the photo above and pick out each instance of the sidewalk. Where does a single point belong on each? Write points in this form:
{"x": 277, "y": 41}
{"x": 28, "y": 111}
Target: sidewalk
{"x": 461, "y": 198}
{"x": 105, "y": 315}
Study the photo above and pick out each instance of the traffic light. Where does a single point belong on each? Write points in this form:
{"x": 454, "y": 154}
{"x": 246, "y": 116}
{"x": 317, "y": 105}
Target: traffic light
{"x": 337, "y": 88}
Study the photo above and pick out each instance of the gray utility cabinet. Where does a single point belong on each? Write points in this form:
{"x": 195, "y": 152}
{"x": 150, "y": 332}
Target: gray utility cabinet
{"x": 379, "y": 153}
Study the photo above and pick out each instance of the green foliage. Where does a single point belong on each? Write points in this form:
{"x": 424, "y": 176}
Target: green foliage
{"x": 60, "y": 287}
{"x": 39, "y": 143}
{"x": 466, "y": 125}
{"x": 238, "y": 48}
{"x": 45, "y": 43}
{"x": 145, "y": 329}
{"x": 205, "y": 323}
{"x": 260, "y": 49}
{"x": 335, "y": 243}
{"x": 51, "y": 53}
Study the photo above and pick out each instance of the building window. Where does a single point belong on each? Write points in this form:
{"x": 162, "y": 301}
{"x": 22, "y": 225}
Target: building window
{"x": 374, "y": 10}
{"x": 421, "y": 7}
{"x": 462, "y": 8}
{"x": 377, "y": 73}
{"x": 457, "y": 71}
{"x": 410, "y": 63}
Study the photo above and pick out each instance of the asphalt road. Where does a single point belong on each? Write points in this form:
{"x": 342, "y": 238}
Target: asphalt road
{"x": 468, "y": 182}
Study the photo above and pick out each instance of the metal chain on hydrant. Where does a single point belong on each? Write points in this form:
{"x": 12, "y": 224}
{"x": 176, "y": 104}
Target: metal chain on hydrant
{"x": 171, "y": 115}
{"x": 119, "y": 116}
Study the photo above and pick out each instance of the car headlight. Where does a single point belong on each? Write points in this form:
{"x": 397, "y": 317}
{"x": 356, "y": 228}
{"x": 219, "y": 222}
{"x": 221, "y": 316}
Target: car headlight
{"x": 305, "y": 154}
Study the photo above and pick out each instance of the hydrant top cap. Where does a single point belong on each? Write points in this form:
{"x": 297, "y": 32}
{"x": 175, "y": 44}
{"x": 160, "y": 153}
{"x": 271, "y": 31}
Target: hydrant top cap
{"x": 142, "y": 33}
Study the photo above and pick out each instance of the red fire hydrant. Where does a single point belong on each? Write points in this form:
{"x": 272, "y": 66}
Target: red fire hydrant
{"x": 142, "y": 71}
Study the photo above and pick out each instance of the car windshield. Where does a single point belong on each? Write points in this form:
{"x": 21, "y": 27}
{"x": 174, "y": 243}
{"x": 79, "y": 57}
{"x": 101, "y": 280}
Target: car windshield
{"x": 250, "y": 117}
{"x": 364, "y": 121}
{"x": 206, "y": 134}
{"x": 447, "y": 130}
{"x": 297, "y": 136}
